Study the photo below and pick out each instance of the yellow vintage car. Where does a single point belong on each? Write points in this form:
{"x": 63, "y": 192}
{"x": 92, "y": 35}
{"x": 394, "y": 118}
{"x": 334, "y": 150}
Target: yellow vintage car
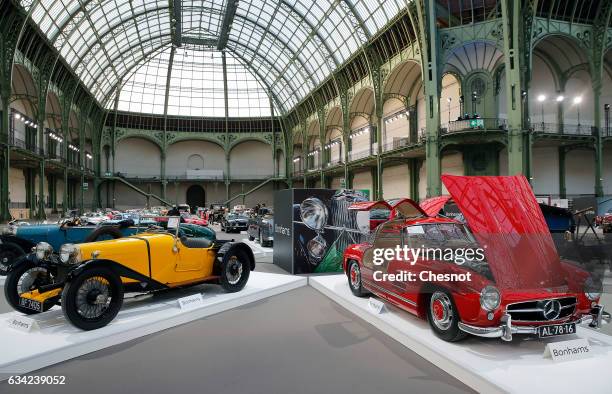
{"x": 91, "y": 278}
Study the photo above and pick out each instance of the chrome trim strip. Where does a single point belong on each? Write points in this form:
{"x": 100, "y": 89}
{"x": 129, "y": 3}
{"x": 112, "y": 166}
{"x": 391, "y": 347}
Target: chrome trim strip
{"x": 406, "y": 300}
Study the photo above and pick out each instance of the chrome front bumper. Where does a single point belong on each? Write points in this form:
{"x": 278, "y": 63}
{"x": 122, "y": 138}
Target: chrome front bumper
{"x": 505, "y": 330}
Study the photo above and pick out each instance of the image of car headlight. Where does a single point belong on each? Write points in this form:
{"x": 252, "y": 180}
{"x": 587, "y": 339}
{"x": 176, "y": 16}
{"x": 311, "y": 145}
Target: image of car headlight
{"x": 316, "y": 247}
{"x": 43, "y": 250}
{"x": 313, "y": 213}
{"x": 70, "y": 253}
{"x": 490, "y": 298}
{"x": 592, "y": 289}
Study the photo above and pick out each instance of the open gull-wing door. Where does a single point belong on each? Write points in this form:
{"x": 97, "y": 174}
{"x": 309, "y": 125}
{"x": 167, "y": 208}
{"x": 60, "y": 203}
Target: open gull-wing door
{"x": 369, "y": 214}
{"x": 406, "y": 208}
{"x": 433, "y": 205}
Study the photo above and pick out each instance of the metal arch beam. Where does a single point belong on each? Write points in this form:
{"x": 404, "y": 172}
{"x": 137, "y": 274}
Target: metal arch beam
{"x": 101, "y": 70}
{"x": 266, "y": 61}
{"x": 228, "y": 19}
{"x": 109, "y": 31}
{"x": 122, "y": 22}
{"x": 294, "y": 55}
{"x": 358, "y": 18}
{"x": 98, "y": 38}
{"x": 128, "y": 73}
{"x": 97, "y": 76}
{"x": 314, "y": 31}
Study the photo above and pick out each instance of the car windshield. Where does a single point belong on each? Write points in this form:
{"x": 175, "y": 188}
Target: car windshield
{"x": 378, "y": 214}
{"x": 450, "y": 234}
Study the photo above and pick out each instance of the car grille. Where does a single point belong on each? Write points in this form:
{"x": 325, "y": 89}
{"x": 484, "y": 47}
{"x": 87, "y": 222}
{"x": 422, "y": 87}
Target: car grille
{"x": 542, "y": 310}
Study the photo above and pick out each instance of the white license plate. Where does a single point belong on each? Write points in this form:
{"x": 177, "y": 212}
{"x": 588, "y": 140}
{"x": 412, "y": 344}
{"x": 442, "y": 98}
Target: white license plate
{"x": 31, "y": 304}
{"x": 557, "y": 329}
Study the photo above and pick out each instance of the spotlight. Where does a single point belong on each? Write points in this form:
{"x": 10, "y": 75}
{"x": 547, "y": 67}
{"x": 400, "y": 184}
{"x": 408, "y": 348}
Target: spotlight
{"x": 577, "y": 99}
{"x": 541, "y": 98}
{"x": 560, "y": 98}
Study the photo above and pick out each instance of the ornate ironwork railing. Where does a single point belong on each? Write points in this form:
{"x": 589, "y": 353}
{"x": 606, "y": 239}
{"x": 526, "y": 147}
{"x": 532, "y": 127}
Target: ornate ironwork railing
{"x": 479, "y": 124}
{"x": 565, "y": 129}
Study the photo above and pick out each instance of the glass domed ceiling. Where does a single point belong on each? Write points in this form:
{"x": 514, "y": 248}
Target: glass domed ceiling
{"x": 196, "y": 86}
{"x": 290, "y": 45}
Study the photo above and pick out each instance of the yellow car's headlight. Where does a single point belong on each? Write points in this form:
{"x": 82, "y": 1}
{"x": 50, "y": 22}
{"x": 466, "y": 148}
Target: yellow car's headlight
{"x": 43, "y": 250}
{"x": 70, "y": 254}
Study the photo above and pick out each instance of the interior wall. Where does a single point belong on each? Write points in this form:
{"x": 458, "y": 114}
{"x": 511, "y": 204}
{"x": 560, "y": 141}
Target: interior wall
{"x": 137, "y": 157}
{"x": 191, "y": 155}
{"x": 17, "y": 189}
{"x": 452, "y": 164}
{"x": 251, "y": 159}
{"x": 396, "y": 181}
{"x": 545, "y": 171}
{"x": 580, "y": 172}
{"x": 607, "y": 171}
{"x": 363, "y": 181}
{"x": 263, "y": 195}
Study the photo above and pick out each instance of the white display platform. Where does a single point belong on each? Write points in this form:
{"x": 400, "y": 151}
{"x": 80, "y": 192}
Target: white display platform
{"x": 2, "y": 279}
{"x": 486, "y": 365}
{"x": 57, "y": 340}
{"x": 261, "y": 254}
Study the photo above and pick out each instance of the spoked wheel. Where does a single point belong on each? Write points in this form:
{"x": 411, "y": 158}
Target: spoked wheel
{"x": 8, "y": 254}
{"x": 22, "y": 279}
{"x": 235, "y": 271}
{"x": 443, "y": 317}
{"x": 93, "y": 299}
{"x": 354, "y": 278}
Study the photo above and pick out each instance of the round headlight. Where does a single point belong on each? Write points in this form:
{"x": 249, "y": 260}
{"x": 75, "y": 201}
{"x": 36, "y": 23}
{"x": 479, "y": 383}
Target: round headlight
{"x": 43, "y": 250}
{"x": 69, "y": 253}
{"x": 313, "y": 213}
{"x": 592, "y": 289}
{"x": 490, "y": 298}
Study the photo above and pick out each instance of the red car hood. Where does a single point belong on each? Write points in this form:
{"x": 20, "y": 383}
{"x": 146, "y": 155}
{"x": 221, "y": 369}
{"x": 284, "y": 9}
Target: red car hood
{"x": 433, "y": 205}
{"x": 504, "y": 215}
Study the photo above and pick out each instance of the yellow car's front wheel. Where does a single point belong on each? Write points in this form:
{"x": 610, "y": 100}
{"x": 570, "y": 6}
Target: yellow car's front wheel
{"x": 235, "y": 270}
{"x": 93, "y": 299}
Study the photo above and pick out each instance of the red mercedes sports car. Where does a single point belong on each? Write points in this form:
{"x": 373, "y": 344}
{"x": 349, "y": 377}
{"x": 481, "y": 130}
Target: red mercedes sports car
{"x": 512, "y": 282}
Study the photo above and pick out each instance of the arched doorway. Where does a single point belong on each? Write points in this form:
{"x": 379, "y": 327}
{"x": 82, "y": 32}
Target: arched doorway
{"x": 196, "y": 196}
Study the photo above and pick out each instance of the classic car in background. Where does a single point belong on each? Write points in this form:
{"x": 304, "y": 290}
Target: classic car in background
{"x": 19, "y": 240}
{"x": 233, "y": 222}
{"x": 261, "y": 227}
{"x": 90, "y": 279}
{"x": 520, "y": 287}
{"x": 605, "y": 221}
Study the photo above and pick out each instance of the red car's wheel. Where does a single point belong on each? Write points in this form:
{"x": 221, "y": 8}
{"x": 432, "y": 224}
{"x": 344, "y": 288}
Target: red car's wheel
{"x": 354, "y": 278}
{"x": 443, "y": 317}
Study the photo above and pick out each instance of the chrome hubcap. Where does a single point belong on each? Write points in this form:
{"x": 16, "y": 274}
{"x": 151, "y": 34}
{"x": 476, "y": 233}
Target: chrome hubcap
{"x": 355, "y": 275}
{"x": 441, "y": 310}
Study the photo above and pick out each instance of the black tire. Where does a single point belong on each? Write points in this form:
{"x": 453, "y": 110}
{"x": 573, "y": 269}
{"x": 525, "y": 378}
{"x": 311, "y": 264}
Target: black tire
{"x": 9, "y": 252}
{"x": 104, "y": 232}
{"x": 353, "y": 275}
{"x": 235, "y": 270}
{"x": 17, "y": 284}
{"x": 95, "y": 281}
{"x": 443, "y": 317}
